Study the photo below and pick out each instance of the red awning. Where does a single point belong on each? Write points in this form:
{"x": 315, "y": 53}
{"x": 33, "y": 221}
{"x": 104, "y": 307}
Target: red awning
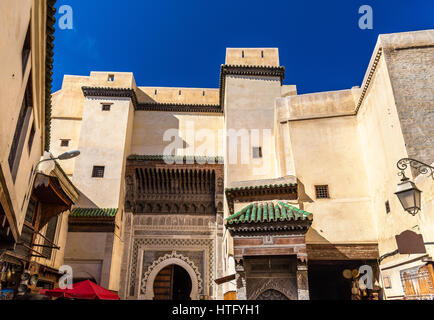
{"x": 83, "y": 290}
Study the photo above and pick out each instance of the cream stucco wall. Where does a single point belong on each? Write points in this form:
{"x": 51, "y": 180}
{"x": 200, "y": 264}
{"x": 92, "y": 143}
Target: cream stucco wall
{"x": 102, "y": 143}
{"x": 322, "y": 148}
{"x": 188, "y": 133}
{"x": 15, "y": 18}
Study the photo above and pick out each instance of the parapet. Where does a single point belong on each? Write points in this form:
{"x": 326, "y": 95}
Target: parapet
{"x": 252, "y": 57}
{"x": 190, "y": 96}
{"x": 317, "y": 105}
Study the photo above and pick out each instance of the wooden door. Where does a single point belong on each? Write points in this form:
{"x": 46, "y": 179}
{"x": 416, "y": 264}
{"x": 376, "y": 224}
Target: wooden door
{"x": 163, "y": 284}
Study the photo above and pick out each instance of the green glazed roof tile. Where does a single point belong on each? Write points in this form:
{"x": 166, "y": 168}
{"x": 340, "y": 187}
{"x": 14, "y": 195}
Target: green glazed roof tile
{"x": 268, "y": 212}
{"x": 94, "y": 212}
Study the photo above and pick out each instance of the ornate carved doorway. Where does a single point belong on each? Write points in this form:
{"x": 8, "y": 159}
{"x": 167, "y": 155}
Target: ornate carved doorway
{"x": 172, "y": 283}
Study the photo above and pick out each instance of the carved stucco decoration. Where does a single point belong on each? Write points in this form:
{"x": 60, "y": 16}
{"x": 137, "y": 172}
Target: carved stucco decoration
{"x": 286, "y": 286}
{"x": 164, "y": 261}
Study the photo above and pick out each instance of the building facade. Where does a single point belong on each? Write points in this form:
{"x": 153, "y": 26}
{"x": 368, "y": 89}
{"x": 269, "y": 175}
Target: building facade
{"x": 251, "y": 191}
{"x": 35, "y": 193}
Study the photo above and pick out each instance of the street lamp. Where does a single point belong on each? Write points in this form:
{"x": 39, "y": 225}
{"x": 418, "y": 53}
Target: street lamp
{"x": 64, "y": 156}
{"x": 407, "y": 192}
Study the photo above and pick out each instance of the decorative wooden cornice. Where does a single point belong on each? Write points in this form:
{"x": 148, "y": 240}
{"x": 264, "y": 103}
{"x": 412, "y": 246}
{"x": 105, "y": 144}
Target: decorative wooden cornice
{"x": 149, "y": 106}
{"x": 284, "y": 191}
{"x": 49, "y": 53}
{"x": 182, "y": 159}
{"x": 264, "y": 228}
{"x": 178, "y": 107}
{"x": 111, "y": 92}
{"x": 264, "y": 71}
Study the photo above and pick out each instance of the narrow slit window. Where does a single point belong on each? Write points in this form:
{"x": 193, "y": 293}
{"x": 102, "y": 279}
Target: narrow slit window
{"x": 322, "y": 191}
{"x": 203, "y": 93}
{"x": 26, "y": 50}
{"x": 111, "y": 77}
{"x": 21, "y": 128}
{"x": 155, "y": 92}
{"x": 262, "y": 54}
{"x": 98, "y": 172}
{"x": 242, "y": 54}
{"x": 31, "y": 137}
{"x": 179, "y": 93}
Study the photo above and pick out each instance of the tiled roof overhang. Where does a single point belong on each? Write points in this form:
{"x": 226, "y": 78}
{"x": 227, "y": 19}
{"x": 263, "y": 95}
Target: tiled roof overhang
{"x": 48, "y": 69}
{"x": 269, "y": 217}
{"x": 148, "y": 106}
{"x": 284, "y": 191}
{"x": 94, "y": 212}
{"x": 264, "y": 71}
{"x": 92, "y": 220}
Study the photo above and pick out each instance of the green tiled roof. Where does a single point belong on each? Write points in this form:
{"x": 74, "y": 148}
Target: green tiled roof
{"x": 94, "y": 212}
{"x": 268, "y": 212}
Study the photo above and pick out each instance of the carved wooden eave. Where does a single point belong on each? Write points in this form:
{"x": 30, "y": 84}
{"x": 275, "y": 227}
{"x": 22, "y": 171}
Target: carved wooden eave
{"x": 49, "y": 53}
{"x": 92, "y": 219}
{"x": 284, "y": 191}
{"x": 91, "y": 224}
{"x": 66, "y": 184}
{"x": 149, "y": 106}
{"x": 187, "y": 186}
{"x": 273, "y": 228}
{"x": 52, "y": 197}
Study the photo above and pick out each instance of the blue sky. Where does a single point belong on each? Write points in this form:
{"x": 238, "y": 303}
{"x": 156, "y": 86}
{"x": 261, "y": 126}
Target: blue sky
{"x": 181, "y": 43}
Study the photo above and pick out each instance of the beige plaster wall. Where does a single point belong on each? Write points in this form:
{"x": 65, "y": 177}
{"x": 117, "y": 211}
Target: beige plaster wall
{"x": 249, "y": 105}
{"x": 328, "y": 152}
{"x": 195, "y": 134}
{"x": 96, "y": 257}
{"x": 426, "y": 217}
{"x": 383, "y": 145}
{"x": 178, "y": 95}
{"x": 15, "y": 17}
{"x": 102, "y": 142}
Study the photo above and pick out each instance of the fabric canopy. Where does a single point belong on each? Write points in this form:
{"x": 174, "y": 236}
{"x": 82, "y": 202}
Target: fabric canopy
{"x": 83, "y": 290}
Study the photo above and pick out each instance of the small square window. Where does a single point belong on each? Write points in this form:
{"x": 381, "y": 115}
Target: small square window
{"x": 106, "y": 107}
{"x": 322, "y": 192}
{"x": 64, "y": 143}
{"x": 111, "y": 77}
{"x": 98, "y": 172}
{"x": 257, "y": 152}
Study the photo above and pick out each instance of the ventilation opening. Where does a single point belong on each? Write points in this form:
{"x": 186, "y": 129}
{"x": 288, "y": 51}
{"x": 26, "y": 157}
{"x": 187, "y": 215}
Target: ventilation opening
{"x": 322, "y": 192}
{"x": 98, "y": 172}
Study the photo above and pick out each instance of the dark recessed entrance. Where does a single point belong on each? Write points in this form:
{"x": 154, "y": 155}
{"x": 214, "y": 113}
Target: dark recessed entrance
{"x": 326, "y": 280}
{"x": 172, "y": 283}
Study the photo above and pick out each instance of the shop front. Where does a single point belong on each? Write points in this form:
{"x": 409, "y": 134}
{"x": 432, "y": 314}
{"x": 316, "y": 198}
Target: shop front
{"x": 28, "y": 267}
